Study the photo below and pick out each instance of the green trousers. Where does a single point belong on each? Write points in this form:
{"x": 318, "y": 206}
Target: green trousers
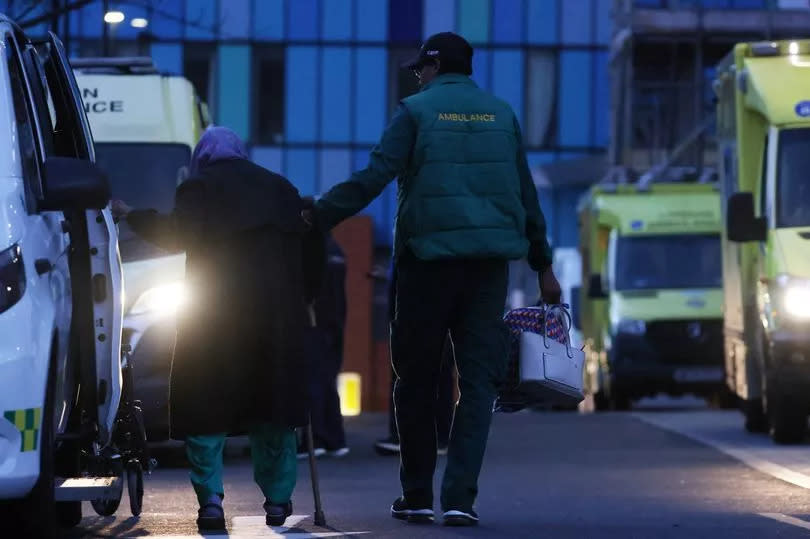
{"x": 273, "y": 450}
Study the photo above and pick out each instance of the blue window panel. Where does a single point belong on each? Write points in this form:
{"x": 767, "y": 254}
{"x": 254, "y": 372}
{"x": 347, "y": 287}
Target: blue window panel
{"x": 473, "y": 20}
{"x": 88, "y": 21}
{"x": 301, "y": 169}
{"x": 371, "y": 20}
{"x": 749, "y": 4}
{"x": 648, "y": 3}
{"x": 38, "y": 31}
{"x": 336, "y": 20}
{"x": 574, "y": 117}
{"x": 201, "y": 19}
{"x": 604, "y": 21}
{"x": 234, "y": 16}
{"x": 370, "y": 99}
{"x": 168, "y": 57}
{"x": 541, "y": 22}
{"x": 566, "y": 230}
{"x": 267, "y": 157}
{"x": 601, "y": 104}
{"x": 302, "y": 20}
{"x": 234, "y": 88}
{"x": 335, "y": 168}
{"x": 507, "y": 78}
{"x": 268, "y": 19}
{"x": 404, "y": 21}
{"x": 167, "y": 20}
{"x": 302, "y": 94}
{"x": 576, "y": 21}
{"x": 508, "y": 21}
{"x": 335, "y": 94}
{"x": 482, "y": 68}
{"x": 439, "y": 16}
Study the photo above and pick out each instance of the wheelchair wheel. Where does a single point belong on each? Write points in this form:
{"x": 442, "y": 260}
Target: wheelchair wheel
{"x": 135, "y": 487}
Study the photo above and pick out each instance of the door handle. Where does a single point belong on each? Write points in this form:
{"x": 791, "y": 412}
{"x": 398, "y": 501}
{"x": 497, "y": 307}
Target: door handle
{"x": 43, "y": 266}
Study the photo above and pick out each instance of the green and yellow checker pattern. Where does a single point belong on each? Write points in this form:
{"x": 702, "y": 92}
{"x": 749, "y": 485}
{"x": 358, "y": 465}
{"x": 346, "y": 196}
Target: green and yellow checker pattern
{"x": 28, "y": 422}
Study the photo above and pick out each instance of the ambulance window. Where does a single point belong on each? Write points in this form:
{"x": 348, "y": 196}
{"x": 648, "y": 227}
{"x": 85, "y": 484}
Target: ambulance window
{"x": 26, "y": 130}
{"x": 268, "y": 97}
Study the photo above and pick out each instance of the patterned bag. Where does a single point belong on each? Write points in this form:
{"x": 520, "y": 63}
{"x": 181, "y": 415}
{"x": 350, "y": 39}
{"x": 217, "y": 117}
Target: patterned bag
{"x": 535, "y": 320}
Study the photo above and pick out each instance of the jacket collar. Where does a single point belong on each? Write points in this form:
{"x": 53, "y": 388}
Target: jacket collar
{"x": 449, "y": 78}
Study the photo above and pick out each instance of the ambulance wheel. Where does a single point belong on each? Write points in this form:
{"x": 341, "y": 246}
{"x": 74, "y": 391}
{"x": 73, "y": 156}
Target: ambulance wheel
{"x": 788, "y": 421}
{"x": 600, "y": 401}
{"x": 135, "y": 487}
{"x": 755, "y": 419}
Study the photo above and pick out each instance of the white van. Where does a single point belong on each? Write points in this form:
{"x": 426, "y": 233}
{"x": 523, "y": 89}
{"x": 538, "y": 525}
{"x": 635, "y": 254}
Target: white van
{"x": 60, "y": 294}
{"x": 145, "y": 125}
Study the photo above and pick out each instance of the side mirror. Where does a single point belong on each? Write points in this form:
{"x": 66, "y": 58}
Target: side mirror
{"x": 575, "y": 303}
{"x": 595, "y": 288}
{"x": 741, "y": 223}
{"x": 73, "y": 184}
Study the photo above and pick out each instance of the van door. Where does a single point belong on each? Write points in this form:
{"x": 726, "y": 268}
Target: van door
{"x": 99, "y": 296}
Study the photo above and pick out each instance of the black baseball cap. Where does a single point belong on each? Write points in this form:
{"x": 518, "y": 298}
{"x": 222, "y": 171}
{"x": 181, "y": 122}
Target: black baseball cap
{"x": 447, "y": 47}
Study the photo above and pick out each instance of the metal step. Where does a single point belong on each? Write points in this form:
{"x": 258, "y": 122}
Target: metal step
{"x": 78, "y": 489}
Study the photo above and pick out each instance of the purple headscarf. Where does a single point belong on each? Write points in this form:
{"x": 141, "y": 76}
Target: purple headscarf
{"x": 216, "y": 144}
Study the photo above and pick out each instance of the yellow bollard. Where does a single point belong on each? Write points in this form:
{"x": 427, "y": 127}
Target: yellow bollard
{"x": 349, "y": 389}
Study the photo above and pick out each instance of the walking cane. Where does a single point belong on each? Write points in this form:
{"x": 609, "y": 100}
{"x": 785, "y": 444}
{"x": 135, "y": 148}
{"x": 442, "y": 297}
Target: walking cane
{"x": 320, "y": 520}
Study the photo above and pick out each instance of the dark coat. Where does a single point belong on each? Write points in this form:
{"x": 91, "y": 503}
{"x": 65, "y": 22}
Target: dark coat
{"x": 239, "y": 356}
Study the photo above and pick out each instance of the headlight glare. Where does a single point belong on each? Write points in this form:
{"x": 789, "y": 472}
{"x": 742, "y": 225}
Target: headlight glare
{"x": 796, "y": 300}
{"x": 164, "y": 299}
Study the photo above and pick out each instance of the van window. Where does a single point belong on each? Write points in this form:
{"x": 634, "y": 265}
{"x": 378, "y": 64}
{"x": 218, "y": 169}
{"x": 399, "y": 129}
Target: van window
{"x": 26, "y": 130}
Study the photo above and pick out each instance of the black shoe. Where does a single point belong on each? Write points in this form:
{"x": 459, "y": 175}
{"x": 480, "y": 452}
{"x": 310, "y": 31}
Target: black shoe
{"x": 276, "y": 515}
{"x": 211, "y": 516}
{"x": 387, "y": 446}
{"x": 417, "y": 515}
{"x": 458, "y": 517}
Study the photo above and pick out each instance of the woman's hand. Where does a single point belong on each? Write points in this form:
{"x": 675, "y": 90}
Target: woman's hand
{"x": 119, "y": 209}
{"x": 550, "y": 290}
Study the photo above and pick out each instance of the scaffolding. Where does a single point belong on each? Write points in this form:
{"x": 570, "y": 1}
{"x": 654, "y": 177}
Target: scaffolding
{"x": 662, "y": 59}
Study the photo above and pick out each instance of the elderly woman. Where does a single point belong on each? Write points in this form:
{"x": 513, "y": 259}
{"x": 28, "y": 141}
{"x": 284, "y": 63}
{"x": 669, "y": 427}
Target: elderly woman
{"x": 238, "y": 363}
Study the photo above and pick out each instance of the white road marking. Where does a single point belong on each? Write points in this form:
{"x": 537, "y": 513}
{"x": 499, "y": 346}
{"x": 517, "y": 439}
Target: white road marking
{"x": 256, "y": 527}
{"x": 787, "y": 519}
{"x": 747, "y": 457}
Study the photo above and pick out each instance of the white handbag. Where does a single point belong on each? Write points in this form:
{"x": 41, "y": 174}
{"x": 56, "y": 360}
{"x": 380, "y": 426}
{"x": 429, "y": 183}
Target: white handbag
{"x": 551, "y": 371}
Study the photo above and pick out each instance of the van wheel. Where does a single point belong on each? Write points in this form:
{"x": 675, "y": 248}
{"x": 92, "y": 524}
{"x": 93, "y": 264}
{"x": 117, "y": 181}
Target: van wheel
{"x": 788, "y": 421}
{"x": 755, "y": 419}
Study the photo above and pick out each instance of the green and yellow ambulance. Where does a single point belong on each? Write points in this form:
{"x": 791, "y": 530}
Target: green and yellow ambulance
{"x": 763, "y": 120}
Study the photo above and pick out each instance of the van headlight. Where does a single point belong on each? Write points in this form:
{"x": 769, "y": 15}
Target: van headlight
{"x": 627, "y": 326}
{"x": 164, "y": 299}
{"x": 12, "y": 277}
{"x": 795, "y": 297}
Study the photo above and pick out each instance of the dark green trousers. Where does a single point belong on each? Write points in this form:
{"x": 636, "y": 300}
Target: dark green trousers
{"x": 466, "y": 298}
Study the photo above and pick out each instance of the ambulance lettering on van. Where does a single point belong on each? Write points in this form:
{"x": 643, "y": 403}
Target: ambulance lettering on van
{"x": 99, "y": 106}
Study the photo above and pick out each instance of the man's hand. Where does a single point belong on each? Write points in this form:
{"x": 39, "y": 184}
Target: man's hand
{"x": 119, "y": 209}
{"x": 550, "y": 290}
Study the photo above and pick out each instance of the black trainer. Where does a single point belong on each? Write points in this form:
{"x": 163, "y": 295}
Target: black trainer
{"x": 275, "y": 514}
{"x": 458, "y": 517}
{"x": 211, "y": 515}
{"x": 417, "y": 515}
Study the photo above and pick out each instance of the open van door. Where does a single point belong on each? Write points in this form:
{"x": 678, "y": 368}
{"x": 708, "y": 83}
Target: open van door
{"x": 96, "y": 263}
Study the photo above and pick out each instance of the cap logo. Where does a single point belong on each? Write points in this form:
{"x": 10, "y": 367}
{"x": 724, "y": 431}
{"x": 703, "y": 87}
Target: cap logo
{"x": 432, "y": 53}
